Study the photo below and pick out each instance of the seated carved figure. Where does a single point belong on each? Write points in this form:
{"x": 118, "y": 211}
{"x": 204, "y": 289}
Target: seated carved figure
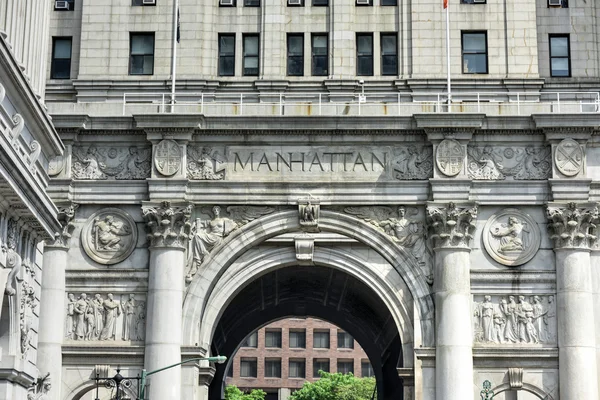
{"x": 510, "y": 235}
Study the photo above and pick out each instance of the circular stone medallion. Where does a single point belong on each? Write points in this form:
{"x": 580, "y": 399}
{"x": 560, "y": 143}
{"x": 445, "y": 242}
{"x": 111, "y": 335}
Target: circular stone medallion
{"x": 168, "y": 157}
{"x": 449, "y": 157}
{"x": 109, "y": 236}
{"x": 56, "y": 165}
{"x": 568, "y": 157}
{"x": 511, "y": 237}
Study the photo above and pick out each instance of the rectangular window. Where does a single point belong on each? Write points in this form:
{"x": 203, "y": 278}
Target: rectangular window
{"x": 345, "y": 341}
{"x": 273, "y": 368}
{"x": 251, "y": 3}
{"x": 143, "y": 2}
{"x": 61, "y": 58}
{"x": 251, "y": 341}
{"x": 320, "y": 365}
{"x": 297, "y": 369}
{"x": 67, "y": 5}
{"x": 320, "y": 3}
{"x": 321, "y": 339}
{"x": 141, "y": 53}
{"x": 366, "y": 369}
{"x": 250, "y": 67}
{"x": 298, "y": 339}
{"x": 226, "y": 54}
{"x": 248, "y": 368}
{"x": 389, "y": 2}
{"x": 295, "y": 54}
{"x": 474, "y": 53}
{"x": 560, "y": 59}
{"x": 273, "y": 338}
{"x": 558, "y": 3}
{"x": 364, "y": 54}
{"x": 345, "y": 366}
{"x": 320, "y": 54}
{"x": 389, "y": 54}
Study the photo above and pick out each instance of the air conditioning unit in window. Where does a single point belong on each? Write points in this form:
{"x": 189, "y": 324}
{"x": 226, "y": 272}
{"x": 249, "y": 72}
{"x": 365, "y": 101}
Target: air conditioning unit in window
{"x": 294, "y": 2}
{"x": 555, "y": 2}
{"x": 478, "y": 1}
{"x": 226, "y": 2}
{"x": 149, "y": 2}
{"x": 363, "y": 2}
{"x": 61, "y": 5}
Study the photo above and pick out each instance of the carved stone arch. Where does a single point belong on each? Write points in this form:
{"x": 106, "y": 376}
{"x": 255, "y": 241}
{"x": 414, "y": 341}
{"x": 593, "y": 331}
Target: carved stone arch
{"x": 87, "y": 386}
{"x": 528, "y": 387}
{"x": 261, "y": 229}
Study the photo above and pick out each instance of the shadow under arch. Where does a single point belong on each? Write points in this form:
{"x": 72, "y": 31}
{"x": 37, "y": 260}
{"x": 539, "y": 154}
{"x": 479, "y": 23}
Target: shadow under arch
{"x": 261, "y": 229}
{"x": 526, "y": 387}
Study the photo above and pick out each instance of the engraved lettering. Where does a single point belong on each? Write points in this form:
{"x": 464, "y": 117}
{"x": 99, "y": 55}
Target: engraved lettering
{"x": 359, "y": 161}
{"x": 280, "y": 157}
{"x": 292, "y": 161}
{"x": 243, "y": 165}
{"x": 375, "y": 158}
{"x": 316, "y": 161}
{"x": 264, "y": 161}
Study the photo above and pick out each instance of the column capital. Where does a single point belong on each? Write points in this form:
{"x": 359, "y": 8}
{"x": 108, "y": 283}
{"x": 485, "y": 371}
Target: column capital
{"x": 452, "y": 225}
{"x": 168, "y": 225}
{"x": 65, "y": 217}
{"x": 573, "y": 225}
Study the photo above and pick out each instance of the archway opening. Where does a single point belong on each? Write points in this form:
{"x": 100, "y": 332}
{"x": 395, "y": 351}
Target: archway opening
{"x": 325, "y": 293}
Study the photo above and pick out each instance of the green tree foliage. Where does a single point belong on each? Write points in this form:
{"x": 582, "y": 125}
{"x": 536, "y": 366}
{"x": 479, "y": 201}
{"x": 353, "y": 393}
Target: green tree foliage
{"x": 337, "y": 387}
{"x": 233, "y": 393}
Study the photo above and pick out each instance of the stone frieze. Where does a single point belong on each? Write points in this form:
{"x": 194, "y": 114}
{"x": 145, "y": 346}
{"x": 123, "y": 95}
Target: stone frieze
{"x": 498, "y": 162}
{"x": 121, "y": 163}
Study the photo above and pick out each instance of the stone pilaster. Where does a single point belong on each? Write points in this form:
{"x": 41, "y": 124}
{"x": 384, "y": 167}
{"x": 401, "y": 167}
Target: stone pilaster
{"x": 52, "y": 303}
{"x": 168, "y": 232}
{"x": 452, "y": 228}
{"x": 572, "y": 228}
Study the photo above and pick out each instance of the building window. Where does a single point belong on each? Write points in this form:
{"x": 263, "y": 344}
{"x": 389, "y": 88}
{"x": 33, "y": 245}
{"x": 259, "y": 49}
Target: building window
{"x": 226, "y": 54}
{"x": 560, "y": 60}
{"x": 297, "y": 369}
{"x": 389, "y": 54}
{"x": 251, "y": 3}
{"x": 321, "y": 339}
{"x": 248, "y": 368}
{"x": 295, "y": 54}
{"x": 320, "y": 3}
{"x": 273, "y": 368}
{"x": 389, "y": 2}
{"x": 320, "y": 365}
{"x": 474, "y": 53}
{"x": 61, "y": 58}
{"x": 141, "y": 59}
{"x": 251, "y": 341}
{"x": 558, "y": 3}
{"x": 345, "y": 366}
{"x": 298, "y": 339}
{"x": 143, "y": 3}
{"x": 320, "y": 54}
{"x": 250, "y": 67}
{"x": 273, "y": 338}
{"x": 68, "y": 5}
{"x": 345, "y": 341}
{"x": 364, "y": 54}
{"x": 366, "y": 369}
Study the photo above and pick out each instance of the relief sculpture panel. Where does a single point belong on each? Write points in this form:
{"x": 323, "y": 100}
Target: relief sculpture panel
{"x": 511, "y": 237}
{"x": 498, "y": 162}
{"x": 204, "y": 163}
{"x": 101, "y": 163}
{"x": 109, "y": 236}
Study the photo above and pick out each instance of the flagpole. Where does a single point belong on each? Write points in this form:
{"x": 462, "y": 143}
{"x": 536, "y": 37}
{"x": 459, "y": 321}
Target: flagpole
{"x": 448, "y": 56}
{"x": 174, "y": 54}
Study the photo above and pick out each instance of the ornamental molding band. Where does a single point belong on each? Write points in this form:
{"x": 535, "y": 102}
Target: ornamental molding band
{"x": 120, "y": 163}
{"x": 569, "y": 157}
{"x": 168, "y": 157}
{"x": 450, "y": 157}
{"x": 309, "y": 210}
{"x": 514, "y": 319}
{"x": 168, "y": 225}
{"x": 451, "y": 226}
{"x": 65, "y": 217}
{"x": 105, "y": 319}
{"x": 498, "y": 162}
{"x": 573, "y": 226}
{"x": 511, "y": 237}
{"x": 109, "y": 236}
{"x": 413, "y": 162}
{"x": 204, "y": 164}
{"x": 209, "y": 233}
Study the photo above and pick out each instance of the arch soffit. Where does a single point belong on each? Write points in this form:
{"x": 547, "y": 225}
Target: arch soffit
{"x": 278, "y": 223}
{"x": 235, "y": 279}
{"x": 528, "y": 387}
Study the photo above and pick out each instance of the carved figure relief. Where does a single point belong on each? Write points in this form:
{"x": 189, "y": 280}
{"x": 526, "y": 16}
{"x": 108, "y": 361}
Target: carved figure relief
{"x": 511, "y": 237}
{"x": 203, "y": 163}
{"x": 26, "y": 315}
{"x": 168, "y": 157}
{"x": 568, "y": 157}
{"x": 65, "y": 217}
{"x": 210, "y": 233}
{"x": 449, "y": 157}
{"x": 413, "y": 162}
{"x": 483, "y": 163}
{"x": 514, "y": 319}
{"x": 40, "y": 388}
{"x": 497, "y": 163}
{"x": 309, "y": 210}
{"x": 408, "y": 233}
{"x": 105, "y": 319}
{"x": 109, "y": 236}
{"x": 111, "y": 163}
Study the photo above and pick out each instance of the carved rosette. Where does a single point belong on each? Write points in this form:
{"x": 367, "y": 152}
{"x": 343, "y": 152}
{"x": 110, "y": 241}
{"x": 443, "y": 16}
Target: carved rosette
{"x": 452, "y": 225}
{"x": 572, "y": 226}
{"x": 65, "y": 217}
{"x": 168, "y": 225}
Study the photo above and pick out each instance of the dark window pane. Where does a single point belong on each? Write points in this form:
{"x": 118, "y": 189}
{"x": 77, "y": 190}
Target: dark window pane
{"x": 474, "y": 42}
{"x": 321, "y": 340}
{"x": 295, "y": 55}
{"x": 560, "y": 67}
{"x": 389, "y": 57}
{"x": 345, "y": 341}
{"x": 141, "y": 60}
{"x": 250, "y": 67}
{"x": 320, "y": 2}
{"x": 474, "y": 53}
{"x": 366, "y": 369}
{"x": 248, "y": 368}
{"x": 297, "y": 369}
{"x": 251, "y": 341}
{"x": 273, "y": 339}
{"x": 226, "y": 55}
{"x": 388, "y": 2}
{"x": 320, "y": 365}
{"x": 320, "y": 57}
{"x": 345, "y": 367}
{"x": 61, "y": 59}
{"x": 297, "y": 339}
{"x": 251, "y": 3}
{"x": 475, "y": 63}
{"x": 365, "y": 65}
{"x": 559, "y": 46}
{"x": 272, "y": 368}
{"x": 364, "y": 44}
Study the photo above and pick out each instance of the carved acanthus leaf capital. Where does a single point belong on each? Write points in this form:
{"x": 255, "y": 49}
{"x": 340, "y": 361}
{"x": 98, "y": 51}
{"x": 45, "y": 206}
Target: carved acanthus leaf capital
{"x": 451, "y": 225}
{"x": 573, "y": 226}
{"x": 65, "y": 216}
{"x": 168, "y": 225}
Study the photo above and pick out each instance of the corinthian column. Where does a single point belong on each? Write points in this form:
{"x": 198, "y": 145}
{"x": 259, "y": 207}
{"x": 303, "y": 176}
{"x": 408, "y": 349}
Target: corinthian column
{"x": 452, "y": 228}
{"x": 52, "y": 303}
{"x": 572, "y": 228}
{"x": 169, "y": 230}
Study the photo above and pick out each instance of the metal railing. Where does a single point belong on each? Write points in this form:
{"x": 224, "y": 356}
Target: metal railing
{"x": 375, "y": 104}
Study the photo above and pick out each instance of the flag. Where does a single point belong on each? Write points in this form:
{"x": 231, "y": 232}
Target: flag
{"x": 445, "y": 3}
{"x": 179, "y": 26}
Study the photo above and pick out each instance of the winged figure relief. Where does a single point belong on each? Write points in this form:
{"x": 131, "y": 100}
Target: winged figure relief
{"x": 484, "y": 164}
{"x": 136, "y": 165}
{"x": 86, "y": 163}
{"x": 204, "y": 164}
{"x": 414, "y": 163}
